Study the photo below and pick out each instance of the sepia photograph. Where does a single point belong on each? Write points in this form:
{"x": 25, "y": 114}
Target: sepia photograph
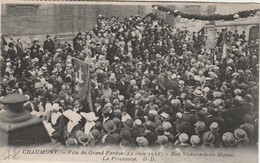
{"x": 128, "y": 81}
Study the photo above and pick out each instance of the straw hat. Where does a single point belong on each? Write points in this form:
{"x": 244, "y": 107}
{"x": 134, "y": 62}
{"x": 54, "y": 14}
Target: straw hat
{"x": 110, "y": 126}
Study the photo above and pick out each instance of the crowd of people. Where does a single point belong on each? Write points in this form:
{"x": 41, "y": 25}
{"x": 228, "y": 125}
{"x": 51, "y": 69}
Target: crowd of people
{"x": 152, "y": 84}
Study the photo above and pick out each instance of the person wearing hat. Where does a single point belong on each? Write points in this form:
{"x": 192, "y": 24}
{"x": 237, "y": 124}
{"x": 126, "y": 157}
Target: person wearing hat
{"x": 248, "y": 106}
{"x": 187, "y": 116}
{"x": 20, "y": 66}
{"x": 228, "y": 140}
{"x": 195, "y": 141}
{"x": 170, "y": 95}
{"x": 11, "y": 51}
{"x": 55, "y": 74}
{"x": 200, "y": 128}
{"x": 121, "y": 85}
{"x": 39, "y": 90}
{"x": 119, "y": 124}
{"x": 50, "y": 95}
{"x": 106, "y": 115}
{"x": 94, "y": 134}
{"x": 82, "y": 138}
{"x": 142, "y": 141}
{"x": 182, "y": 141}
{"x": 149, "y": 132}
{"x": 128, "y": 125}
{"x": 48, "y": 44}
{"x": 35, "y": 48}
{"x": 162, "y": 81}
{"x": 19, "y": 47}
{"x": 163, "y": 142}
{"x": 9, "y": 69}
{"x": 213, "y": 117}
{"x": 138, "y": 109}
{"x": 242, "y": 139}
{"x": 171, "y": 83}
{"x": 41, "y": 77}
{"x": 98, "y": 109}
{"x": 208, "y": 140}
{"x": 138, "y": 128}
{"x": 108, "y": 140}
{"x": 249, "y": 127}
{"x": 214, "y": 130}
{"x": 71, "y": 142}
{"x": 126, "y": 138}
{"x": 109, "y": 126}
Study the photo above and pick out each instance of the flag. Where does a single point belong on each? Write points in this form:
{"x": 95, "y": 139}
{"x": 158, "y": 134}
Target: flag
{"x": 223, "y": 65}
{"x": 224, "y": 52}
{"x": 83, "y": 84}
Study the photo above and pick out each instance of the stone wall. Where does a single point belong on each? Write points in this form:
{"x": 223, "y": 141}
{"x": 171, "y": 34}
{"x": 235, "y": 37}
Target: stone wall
{"x": 37, "y": 20}
{"x": 30, "y": 21}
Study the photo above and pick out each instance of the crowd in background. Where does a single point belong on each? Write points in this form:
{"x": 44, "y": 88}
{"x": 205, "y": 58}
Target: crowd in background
{"x": 152, "y": 84}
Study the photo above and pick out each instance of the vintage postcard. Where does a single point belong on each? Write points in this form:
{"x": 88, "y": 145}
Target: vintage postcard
{"x": 128, "y": 81}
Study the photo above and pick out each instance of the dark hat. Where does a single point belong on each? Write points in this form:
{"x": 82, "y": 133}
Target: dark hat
{"x": 98, "y": 124}
{"x": 110, "y": 126}
{"x": 116, "y": 137}
{"x": 149, "y": 125}
{"x": 165, "y": 108}
{"x": 71, "y": 142}
{"x": 129, "y": 123}
{"x": 117, "y": 113}
{"x": 95, "y": 133}
{"x": 125, "y": 134}
{"x": 125, "y": 142}
{"x": 248, "y": 119}
{"x": 116, "y": 121}
{"x": 228, "y": 102}
{"x": 108, "y": 139}
{"x": 243, "y": 86}
{"x": 151, "y": 117}
{"x": 14, "y": 98}
{"x": 160, "y": 130}
{"x": 208, "y": 137}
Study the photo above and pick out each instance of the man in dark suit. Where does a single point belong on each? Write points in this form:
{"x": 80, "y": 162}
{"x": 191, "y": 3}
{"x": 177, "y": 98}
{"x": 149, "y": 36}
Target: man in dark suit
{"x": 20, "y": 67}
{"x": 121, "y": 86}
{"x": 98, "y": 109}
{"x": 171, "y": 83}
{"x": 49, "y": 44}
{"x": 11, "y": 52}
{"x": 19, "y": 47}
{"x": 188, "y": 117}
{"x": 35, "y": 48}
{"x": 212, "y": 117}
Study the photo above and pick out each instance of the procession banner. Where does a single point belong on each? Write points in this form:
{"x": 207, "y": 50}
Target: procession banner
{"x": 82, "y": 83}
